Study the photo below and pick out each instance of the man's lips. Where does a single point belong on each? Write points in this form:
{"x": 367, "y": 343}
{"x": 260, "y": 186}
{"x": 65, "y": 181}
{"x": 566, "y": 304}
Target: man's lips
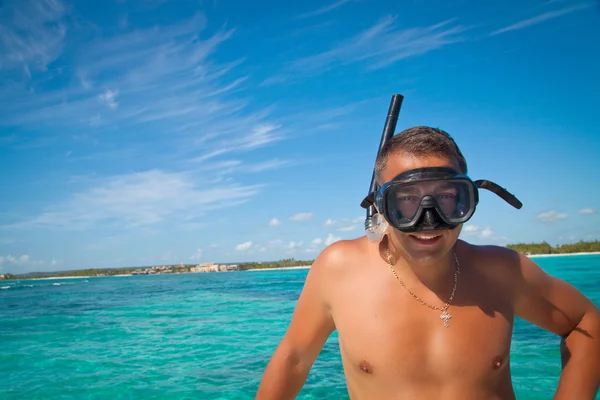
{"x": 426, "y": 237}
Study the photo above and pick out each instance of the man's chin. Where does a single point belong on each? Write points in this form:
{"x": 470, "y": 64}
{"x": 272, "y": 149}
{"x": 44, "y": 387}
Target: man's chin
{"x": 427, "y": 247}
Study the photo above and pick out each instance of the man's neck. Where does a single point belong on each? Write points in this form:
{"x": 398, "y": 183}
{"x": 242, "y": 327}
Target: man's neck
{"x": 435, "y": 275}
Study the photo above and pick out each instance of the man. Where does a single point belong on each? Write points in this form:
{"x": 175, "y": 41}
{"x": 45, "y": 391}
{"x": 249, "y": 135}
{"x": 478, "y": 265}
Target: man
{"x": 421, "y": 314}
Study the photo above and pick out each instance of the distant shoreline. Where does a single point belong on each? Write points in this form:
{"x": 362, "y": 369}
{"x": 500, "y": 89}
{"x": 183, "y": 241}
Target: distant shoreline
{"x": 283, "y": 268}
{"x": 562, "y": 254}
{"x": 71, "y": 277}
{"x": 276, "y": 269}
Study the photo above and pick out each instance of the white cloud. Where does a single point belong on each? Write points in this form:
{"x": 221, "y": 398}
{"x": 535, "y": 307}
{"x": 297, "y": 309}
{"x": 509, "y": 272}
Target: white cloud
{"x": 538, "y": 19}
{"x": 303, "y": 216}
{"x": 471, "y": 229}
{"x": 109, "y": 98}
{"x": 487, "y": 232}
{"x": 197, "y": 256}
{"x": 243, "y": 246}
{"x": 293, "y": 245}
{"x": 23, "y": 259}
{"x": 213, "y": 245}
{"x": 141, "y": 198}
{"x": 331, "y": 238}
{"x": 550, "y": 216}
{"x": 316, "y": 241}
{"x": 274, "y": 222}
{"x": 586, "y": 211}
{"x": 474, "y": 230}
{"x": 347, "y": 228}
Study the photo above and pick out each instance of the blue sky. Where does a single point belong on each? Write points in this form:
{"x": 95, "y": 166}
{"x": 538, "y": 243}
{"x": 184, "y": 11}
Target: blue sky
{"x": 144, "y": 132}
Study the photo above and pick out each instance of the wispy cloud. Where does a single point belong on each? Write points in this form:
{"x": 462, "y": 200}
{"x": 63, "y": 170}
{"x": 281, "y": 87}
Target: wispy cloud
{"x": 153, "y": 83}
{"x": 236, "y": 167}
{"x": 325, "y": 9}
{"x": 384, "y": 44}
{"x": 32, "y": 34}
{"x": 538, "y": 19}
{"x": 551, "y": 216}
{"x": 344, "y": 224}
{"x": 197, "y": 255}
{"x": 587, "y": 211}
{"x": 303, "y": 216}
{"x": 6, "y": 240}
{"x": 141, "y": 199}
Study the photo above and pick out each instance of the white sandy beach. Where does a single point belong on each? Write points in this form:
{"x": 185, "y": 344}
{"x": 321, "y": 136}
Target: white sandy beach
{"x": 276, "y": 269}
{"x": 562, "y": 255}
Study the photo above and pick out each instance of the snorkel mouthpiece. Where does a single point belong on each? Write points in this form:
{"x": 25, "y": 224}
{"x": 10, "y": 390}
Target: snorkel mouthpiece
{"x": 375, "y": 227}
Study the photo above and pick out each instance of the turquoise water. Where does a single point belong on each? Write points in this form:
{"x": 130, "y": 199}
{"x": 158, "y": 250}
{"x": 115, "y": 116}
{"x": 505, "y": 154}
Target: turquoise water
{"x": 201, "y": 336}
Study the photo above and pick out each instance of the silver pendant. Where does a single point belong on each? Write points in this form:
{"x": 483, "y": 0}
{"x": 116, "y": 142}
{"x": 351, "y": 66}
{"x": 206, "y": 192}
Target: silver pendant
{"x": 445, "y": 316}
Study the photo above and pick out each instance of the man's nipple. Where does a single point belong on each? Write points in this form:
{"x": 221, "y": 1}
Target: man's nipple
{"x": 366, "y": 367}
{"x": 497, "y": 362}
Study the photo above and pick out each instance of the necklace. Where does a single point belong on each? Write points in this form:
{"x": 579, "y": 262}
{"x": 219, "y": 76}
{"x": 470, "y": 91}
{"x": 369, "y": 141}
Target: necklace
{"x": 444, "y": 309}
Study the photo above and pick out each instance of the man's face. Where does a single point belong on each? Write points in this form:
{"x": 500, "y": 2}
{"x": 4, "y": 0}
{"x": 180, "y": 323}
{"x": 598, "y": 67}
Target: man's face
{"x": 426, "y": 247}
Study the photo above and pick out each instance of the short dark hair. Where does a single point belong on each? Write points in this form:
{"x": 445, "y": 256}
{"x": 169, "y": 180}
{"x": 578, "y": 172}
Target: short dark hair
{"x": 420, "y": 141}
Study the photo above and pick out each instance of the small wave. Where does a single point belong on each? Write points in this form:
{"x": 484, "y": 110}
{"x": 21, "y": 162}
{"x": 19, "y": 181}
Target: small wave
{"x": 4, "y": 287}
{"x": 56, "y": 284}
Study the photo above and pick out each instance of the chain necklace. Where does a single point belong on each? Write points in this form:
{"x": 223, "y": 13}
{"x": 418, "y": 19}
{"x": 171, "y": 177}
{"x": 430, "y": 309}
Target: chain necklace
{"x": 445, "y": 316}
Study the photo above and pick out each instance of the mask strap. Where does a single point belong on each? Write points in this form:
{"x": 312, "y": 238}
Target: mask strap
{"x": 500, "y": 191}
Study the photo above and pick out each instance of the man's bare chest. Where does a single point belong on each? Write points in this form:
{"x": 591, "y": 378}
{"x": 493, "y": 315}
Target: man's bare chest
{"x": 386, "y": 333}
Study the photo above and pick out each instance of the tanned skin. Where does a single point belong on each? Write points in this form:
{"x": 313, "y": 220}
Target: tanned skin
{"x": 393, "y": 347}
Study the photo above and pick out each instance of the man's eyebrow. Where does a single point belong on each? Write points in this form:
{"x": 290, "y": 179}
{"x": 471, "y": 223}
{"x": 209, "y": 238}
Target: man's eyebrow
{"x": 447, "y": 186}
{"x": 407, "y": 189}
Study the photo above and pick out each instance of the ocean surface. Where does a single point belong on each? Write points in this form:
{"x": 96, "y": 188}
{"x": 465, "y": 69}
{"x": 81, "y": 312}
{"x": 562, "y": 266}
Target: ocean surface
{"x": 198, "y": 336}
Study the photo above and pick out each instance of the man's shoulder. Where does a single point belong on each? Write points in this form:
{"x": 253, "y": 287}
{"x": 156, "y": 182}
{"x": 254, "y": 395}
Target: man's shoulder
{"x": 492, "y": 257}
{"x": 343, "y": 254}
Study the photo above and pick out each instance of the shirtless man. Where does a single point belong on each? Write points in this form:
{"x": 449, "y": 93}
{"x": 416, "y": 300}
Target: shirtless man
{"x": 387, "y": 299}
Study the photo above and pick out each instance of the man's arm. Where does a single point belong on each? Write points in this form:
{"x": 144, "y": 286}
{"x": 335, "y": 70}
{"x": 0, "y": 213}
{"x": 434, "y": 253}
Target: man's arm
{"x": 558, "y": 307}
{"x": 308, "y": 331}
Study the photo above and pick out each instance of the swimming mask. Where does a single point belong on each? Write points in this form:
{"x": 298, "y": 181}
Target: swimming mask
{"x": 431, "y": 198}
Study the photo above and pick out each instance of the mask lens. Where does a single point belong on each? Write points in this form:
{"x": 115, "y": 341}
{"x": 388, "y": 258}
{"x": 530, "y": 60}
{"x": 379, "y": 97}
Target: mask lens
{"x": 454, "y": 198}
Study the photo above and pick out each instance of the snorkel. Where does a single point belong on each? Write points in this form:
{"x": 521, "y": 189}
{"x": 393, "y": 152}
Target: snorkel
{"x": 423, "y": 199}
{"x": 375, "y": 224}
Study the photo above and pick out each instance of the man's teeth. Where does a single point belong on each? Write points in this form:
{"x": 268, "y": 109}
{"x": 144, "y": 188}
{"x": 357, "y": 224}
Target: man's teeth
{"x": 426, "y": 237}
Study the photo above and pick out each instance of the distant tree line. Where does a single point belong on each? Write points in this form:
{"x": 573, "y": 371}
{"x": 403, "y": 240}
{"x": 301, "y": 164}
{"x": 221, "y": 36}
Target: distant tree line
{"x": 285, "y": 263}
{"x": 545, "y": 248}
